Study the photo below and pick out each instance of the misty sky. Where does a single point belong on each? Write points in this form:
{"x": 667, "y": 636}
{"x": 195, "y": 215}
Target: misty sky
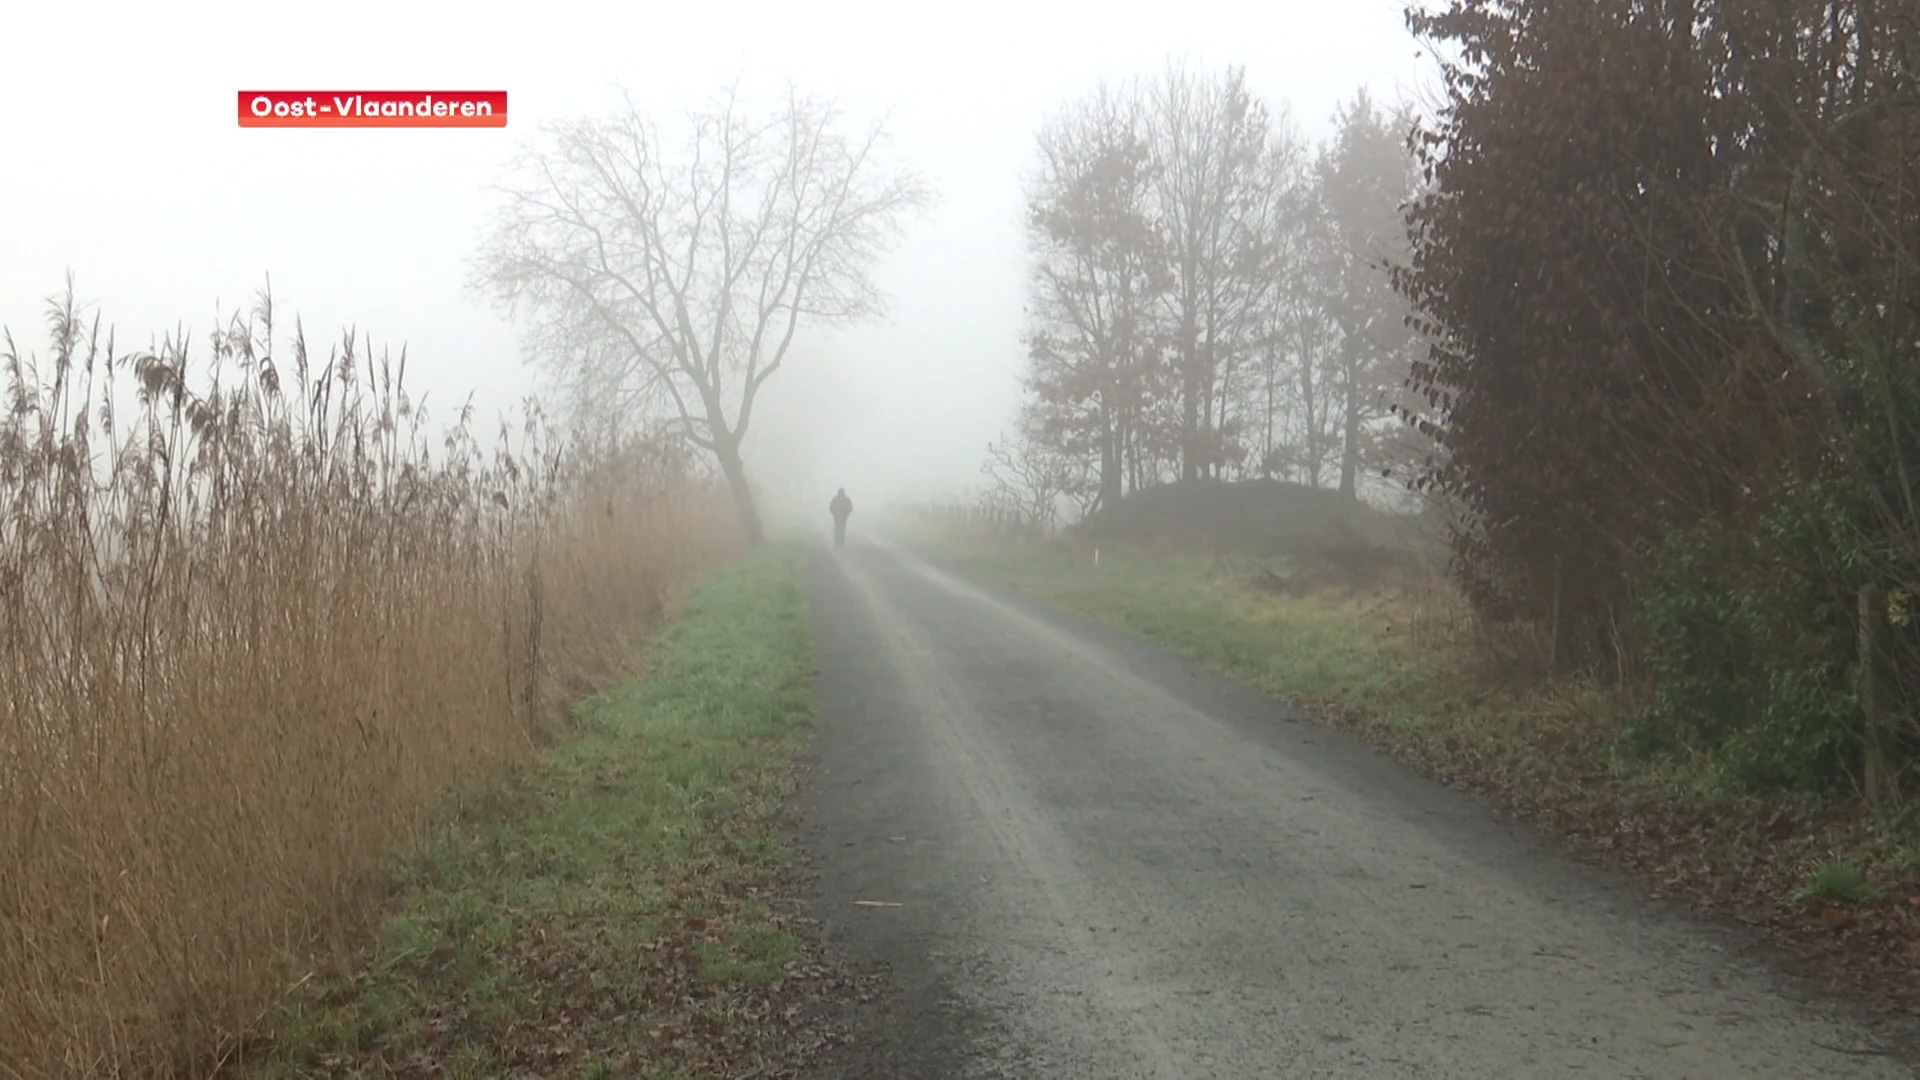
{"x": 125, "y": 165}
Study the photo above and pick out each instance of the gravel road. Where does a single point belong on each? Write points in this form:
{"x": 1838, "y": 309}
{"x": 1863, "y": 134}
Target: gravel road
{"x": 1108, "y": 864}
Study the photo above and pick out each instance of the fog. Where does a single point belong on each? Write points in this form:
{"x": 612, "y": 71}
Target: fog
{"x": 126, "y": 167}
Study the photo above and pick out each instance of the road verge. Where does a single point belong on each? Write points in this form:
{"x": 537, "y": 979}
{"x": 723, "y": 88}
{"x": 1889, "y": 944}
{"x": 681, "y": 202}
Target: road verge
{"x": 1839, "y": 888}
{"x": 621, "y": 909}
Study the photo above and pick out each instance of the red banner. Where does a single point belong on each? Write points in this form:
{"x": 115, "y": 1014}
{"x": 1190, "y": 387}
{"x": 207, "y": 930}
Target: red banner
{"x": 373, "y": 108}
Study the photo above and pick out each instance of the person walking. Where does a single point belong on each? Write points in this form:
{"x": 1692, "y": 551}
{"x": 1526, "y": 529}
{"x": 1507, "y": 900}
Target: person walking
{"x": 841, "y": 508}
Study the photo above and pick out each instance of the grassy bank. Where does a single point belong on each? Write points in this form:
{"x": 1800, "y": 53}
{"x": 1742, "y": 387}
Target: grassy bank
{"x": 1396, "y": 666}
{"x": 613, "y": 911}
{"x": 1335, "y": 649}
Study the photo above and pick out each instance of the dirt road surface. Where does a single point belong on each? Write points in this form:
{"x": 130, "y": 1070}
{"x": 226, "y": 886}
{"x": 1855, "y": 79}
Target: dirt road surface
{"x": 1107, "y": 865}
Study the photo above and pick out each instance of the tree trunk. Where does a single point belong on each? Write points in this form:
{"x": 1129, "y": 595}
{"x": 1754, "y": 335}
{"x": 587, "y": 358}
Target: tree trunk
{"x": 1189, "y": 361}
{"x": 1350, "y": 460}
{"x": 1350, "y": 434}
{"x": 1312, "y": 405}
{"x": 1189, "y": 426}
{"x": 1111, "y": 463}
{"x": 1266, "y": 438}
{"x": 735, "y": 470}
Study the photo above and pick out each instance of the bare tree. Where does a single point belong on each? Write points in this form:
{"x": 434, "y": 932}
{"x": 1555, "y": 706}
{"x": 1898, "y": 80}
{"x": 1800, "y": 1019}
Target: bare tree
{"x": 664, "y": 278}
{"x": 1364, "y": 177}
{"x": 1031, "y": 477}
{"x": 1214, "y": 143}
{"x": 1303, "y": 386}
{"x": 1098, "y": 269}
{"x": 1288, "y": 332}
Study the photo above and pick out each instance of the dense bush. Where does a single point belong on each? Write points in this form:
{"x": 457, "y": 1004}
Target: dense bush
{"x": 1665, "y": 263}
{"x": 1751, "y": 643}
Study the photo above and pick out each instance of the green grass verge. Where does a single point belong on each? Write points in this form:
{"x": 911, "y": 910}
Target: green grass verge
{"x": 606, "y": 913}
{"x": 1312, "y": 647}
{"x": 1356, "y": 659}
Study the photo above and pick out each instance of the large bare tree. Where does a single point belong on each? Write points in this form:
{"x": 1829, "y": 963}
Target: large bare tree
{"x": 664, "y": 276}
{"x": 1218, "y": 194}
{"x": 1098, "y": 267}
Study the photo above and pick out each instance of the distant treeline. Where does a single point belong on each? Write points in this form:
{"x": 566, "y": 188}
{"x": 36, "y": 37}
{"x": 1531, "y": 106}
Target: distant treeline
{"x": 1209, "y": 295}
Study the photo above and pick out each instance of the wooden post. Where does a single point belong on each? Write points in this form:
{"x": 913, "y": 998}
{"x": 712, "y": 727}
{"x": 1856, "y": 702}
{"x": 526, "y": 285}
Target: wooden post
{"x": 1873, "y": 695}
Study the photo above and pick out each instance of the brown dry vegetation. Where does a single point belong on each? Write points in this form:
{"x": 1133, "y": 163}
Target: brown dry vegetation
{"x": 255, "y": 629}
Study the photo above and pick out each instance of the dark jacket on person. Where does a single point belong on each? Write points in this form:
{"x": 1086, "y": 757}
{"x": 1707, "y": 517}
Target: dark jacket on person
{"x": 841, "y": 507}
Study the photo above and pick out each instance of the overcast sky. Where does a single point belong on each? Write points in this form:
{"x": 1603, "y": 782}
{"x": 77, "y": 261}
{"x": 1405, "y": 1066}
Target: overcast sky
{"x": 125, "y": 165}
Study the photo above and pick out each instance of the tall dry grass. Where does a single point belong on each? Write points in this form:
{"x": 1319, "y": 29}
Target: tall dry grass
{"x": 256, "y": 624}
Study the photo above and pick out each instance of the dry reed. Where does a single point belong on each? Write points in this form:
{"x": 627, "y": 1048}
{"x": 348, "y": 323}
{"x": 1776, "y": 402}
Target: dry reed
{"x": 255, "y": 626}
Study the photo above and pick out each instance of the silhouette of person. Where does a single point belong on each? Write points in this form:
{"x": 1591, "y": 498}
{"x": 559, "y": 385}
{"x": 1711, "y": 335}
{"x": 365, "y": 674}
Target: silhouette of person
{"x": 841, "y": 508}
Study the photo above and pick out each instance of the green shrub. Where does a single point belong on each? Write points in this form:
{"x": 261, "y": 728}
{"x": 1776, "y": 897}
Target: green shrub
{"x": 1751, "y": 642}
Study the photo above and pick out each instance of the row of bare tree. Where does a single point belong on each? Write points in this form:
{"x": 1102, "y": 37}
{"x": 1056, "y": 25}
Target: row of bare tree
{"x": 1210, "y": 296}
